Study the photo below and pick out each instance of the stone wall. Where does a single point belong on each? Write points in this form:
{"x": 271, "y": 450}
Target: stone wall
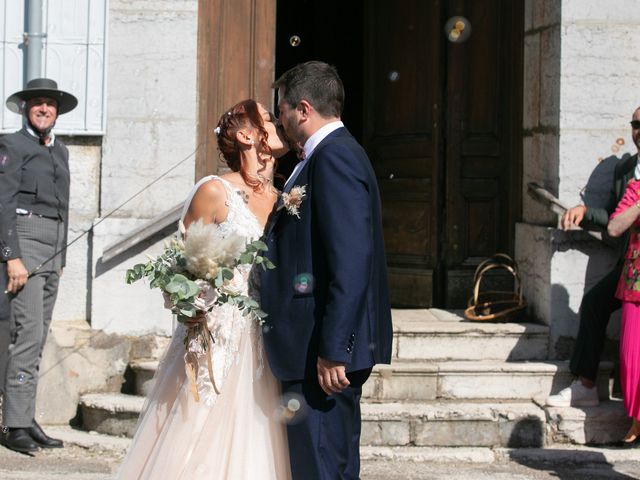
{"x": 151, "y": 126}
{"x": 579, "y": 94}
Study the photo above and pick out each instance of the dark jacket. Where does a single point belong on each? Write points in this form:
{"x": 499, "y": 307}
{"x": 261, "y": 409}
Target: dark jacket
{"x": 34, "y": 178}
{"x": 623, "y": 172}
{"x": 328, "y": 295}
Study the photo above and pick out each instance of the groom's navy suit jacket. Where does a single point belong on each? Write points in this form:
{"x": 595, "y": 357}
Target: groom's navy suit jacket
{"x": 338, "y": 239}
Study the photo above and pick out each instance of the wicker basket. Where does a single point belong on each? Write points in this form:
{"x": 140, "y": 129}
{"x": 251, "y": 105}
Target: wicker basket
{"x": 496, "y": 306}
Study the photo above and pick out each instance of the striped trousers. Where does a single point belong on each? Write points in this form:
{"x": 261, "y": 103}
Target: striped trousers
{"x": 31, "y": 310}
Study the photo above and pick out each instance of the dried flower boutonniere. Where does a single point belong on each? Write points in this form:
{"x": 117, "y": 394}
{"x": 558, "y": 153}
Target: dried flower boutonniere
{"x": 293, "y": 199}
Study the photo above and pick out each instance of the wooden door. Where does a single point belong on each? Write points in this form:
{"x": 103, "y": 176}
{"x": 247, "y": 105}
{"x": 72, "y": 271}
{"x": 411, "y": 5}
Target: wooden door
{"x": 482, "y": 155}
{"x": 236, "y": 58}
{"x": 403, "y": 102}
{"x": 442, "y": 127}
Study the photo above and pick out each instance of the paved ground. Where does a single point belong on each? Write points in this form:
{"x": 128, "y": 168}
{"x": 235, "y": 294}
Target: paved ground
{"x": 78, "y": 463}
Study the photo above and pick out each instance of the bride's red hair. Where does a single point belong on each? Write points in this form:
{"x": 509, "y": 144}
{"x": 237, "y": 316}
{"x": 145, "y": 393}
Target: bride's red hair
{"x": 242, "y": 115}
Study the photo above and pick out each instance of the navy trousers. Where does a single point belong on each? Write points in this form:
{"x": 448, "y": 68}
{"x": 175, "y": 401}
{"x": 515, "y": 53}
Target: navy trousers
{"x": 324, "y": 437}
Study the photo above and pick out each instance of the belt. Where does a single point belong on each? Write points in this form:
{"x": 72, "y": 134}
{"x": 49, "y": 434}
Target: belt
{"x": 29, "y": 214}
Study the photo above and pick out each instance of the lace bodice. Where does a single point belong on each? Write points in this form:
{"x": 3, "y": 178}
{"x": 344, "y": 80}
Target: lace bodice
{"x": 240, "y": 219}
{"x": 226, "y": 323}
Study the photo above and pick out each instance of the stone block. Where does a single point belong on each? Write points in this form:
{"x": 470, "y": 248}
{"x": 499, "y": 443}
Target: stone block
{"x": 457, "y": 433}
{"x": 120, "y": 308}
{"x": 84, "y": 164}
{"x": 531, "y": 79}
{"x": 403, "y": 382}
{"x": 149, "y": 346}
{"x": 614, "y": 13}
{"x": 137, "y": 153}
{"x": 385, "y": 432}
{"x": 546, "y": 13}
{"x": 493, "y": 380}
{"x": 75, "y": 283}
{"x": 77, "y": 360}
{"x": 550, "y": 79}
{"x": 606, "y": 423}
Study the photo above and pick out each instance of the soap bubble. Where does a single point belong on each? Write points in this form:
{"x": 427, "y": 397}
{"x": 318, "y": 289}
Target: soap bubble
{"x": 303, "y": 283}
{"x": 291, "y": 410}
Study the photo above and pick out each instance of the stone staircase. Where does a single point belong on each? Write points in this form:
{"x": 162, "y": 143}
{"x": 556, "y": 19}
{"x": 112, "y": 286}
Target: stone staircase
{"x": 451, "y": 383}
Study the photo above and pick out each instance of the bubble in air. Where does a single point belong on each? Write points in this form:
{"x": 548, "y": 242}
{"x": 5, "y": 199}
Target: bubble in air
{"x": 266, "y": 328}
{"x": 394, "y": 76}
{"x": 372, "y": 346}
{"x": 303, "y": 283}
{"x": 291, "y": 409}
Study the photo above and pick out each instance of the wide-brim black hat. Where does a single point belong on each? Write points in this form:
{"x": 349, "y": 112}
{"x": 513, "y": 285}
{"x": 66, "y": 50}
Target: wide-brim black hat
{"x": 42, "y": 87}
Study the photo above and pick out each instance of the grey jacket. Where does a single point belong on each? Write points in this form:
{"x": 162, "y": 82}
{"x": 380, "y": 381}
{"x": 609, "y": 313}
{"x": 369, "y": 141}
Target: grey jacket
{"x": 34, "y": 178}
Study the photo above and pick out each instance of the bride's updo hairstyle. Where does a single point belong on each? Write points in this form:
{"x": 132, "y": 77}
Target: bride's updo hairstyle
{"x": 242, "y": 115}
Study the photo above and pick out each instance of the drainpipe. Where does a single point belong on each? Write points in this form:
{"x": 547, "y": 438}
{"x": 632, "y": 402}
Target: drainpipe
{"x": 33, "y": 39}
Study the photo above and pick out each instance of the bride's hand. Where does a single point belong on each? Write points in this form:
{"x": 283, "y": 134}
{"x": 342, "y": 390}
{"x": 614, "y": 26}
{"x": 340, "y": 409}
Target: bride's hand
{"x": 200, "y": 317}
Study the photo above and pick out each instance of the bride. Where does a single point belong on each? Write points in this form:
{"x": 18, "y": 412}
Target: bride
{"x": 233, "y": 434}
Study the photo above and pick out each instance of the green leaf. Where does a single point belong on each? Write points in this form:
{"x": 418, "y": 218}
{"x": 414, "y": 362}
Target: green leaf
{"x": 260, "y": 245}
{"x": 182, "y": 286}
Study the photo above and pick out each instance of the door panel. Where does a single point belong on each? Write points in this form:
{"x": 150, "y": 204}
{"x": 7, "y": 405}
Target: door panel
{"x": 482, "y": 157}
{"x": 401, "y": 137}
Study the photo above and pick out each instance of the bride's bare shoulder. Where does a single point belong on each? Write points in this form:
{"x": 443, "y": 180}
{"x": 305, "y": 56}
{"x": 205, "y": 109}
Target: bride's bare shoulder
{"x": 211, "y": 190}
{"x": 209, "y": 202}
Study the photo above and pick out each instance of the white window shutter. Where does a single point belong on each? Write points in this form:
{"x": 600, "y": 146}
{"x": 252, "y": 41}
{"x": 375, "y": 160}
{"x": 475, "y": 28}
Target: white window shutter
{"x": 74, "y": 56}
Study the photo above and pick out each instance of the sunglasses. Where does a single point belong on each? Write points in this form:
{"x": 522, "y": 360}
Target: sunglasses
{"x": 635, "y": 124}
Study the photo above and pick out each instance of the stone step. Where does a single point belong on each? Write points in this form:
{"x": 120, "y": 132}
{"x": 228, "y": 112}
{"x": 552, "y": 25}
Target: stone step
{"x": 440, "y": 335}
{"x": 403, "y": 380}
{"x": 111, "y": 413}
{"x": 424, "y": 424}
{"x": 454, "y": 424}
{"x": 556, "y": 454}
{"x": 143, "y": 375}
{"x": 603, "y": 424}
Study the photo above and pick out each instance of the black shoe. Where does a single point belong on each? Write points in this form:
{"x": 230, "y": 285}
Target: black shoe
{"x": 19, "y": 440}
{"x": 42, "y": 438}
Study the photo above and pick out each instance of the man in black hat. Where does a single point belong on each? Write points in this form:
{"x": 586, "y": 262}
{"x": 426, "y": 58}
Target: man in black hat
{"x": 34, "y": 212}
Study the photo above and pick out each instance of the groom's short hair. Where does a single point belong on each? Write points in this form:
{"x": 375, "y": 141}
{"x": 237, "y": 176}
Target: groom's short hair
{"x": 316, "y": 82}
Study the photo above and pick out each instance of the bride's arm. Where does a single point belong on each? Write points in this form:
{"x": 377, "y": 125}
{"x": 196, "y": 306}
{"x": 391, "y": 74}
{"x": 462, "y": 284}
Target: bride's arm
{"x": 208, "y": 204}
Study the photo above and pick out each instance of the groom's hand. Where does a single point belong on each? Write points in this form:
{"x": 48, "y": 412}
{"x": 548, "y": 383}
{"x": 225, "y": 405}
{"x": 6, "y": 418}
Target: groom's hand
{"x": 331, "y": 376}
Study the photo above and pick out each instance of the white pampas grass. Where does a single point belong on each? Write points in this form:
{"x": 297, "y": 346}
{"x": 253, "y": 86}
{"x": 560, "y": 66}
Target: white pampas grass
{"x": 206, "y": 250}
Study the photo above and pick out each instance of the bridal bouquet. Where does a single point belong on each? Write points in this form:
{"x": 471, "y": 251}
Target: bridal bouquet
{"x": 198, "y": 273}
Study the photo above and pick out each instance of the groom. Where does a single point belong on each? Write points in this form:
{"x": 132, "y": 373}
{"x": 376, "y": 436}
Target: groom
{"x": 327, "y": 300}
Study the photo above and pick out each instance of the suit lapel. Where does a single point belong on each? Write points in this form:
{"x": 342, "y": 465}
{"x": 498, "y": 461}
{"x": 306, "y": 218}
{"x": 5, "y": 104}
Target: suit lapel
{"x": 279, "y": 205}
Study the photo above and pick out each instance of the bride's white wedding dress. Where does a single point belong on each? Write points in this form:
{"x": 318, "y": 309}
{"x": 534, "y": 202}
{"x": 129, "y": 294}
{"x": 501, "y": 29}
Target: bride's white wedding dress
{"x": 233, "y": 435}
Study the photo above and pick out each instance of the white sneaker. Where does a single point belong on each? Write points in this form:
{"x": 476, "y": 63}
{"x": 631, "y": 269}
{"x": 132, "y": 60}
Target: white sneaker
{"x": 575, "y": 395}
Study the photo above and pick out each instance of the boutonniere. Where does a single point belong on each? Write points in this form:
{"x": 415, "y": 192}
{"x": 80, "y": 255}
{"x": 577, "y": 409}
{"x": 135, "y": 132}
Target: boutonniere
{"x": 292, "y": 200}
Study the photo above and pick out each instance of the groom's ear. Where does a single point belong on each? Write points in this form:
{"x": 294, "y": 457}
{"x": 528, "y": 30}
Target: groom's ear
{"x": 304, "y": 108}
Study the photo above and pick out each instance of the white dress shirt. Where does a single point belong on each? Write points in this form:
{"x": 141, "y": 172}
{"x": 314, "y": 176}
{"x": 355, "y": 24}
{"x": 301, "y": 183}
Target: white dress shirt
{"x": 309, "y": 146}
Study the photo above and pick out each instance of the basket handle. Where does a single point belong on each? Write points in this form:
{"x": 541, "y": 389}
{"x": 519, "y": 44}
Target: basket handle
{"x": 501, "y": 258}
{"x": 486, "y": 266}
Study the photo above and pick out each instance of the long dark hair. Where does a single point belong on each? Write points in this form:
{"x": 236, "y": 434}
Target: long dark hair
{"x": 241, "y": 115}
